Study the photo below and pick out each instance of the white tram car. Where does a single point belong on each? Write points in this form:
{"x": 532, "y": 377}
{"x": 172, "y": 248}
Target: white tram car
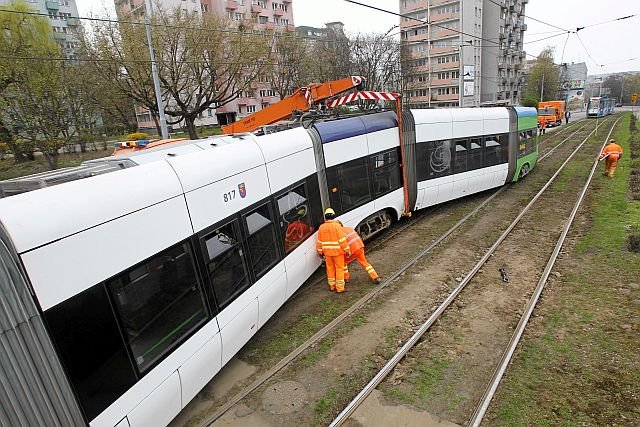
{"x": 129, "y": 291}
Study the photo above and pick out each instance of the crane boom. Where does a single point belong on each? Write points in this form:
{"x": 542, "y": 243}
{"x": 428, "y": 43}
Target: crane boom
{"x": 302, "y": 99}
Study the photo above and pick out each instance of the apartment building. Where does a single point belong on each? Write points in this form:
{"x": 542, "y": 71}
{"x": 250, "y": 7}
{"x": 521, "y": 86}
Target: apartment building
{"x": 262, "y": 15}
{"x": 462, "y": 52}
{"x": 63, "y": 17}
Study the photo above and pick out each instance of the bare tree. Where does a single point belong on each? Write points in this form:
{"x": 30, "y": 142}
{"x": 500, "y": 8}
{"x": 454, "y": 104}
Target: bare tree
{"x": 289, "y": 60}
{"x": 376, "y": 58}
{"x": 202, "y": 62}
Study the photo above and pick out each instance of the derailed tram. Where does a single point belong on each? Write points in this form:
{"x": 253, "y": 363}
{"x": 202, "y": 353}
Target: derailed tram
{"x": 131, "y": 289}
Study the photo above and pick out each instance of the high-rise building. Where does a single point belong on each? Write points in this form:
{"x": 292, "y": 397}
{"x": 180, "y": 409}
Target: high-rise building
{"x": 462, "y": 52}
{"x": 63, "y": 19}
{"x": 263, "y": 15}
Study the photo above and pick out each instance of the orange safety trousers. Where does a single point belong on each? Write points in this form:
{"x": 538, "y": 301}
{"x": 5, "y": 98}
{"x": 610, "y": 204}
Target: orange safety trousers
{"x": 335, "y": 272}
{"x": 610, "y": 166}
{"x": 359, "y": 255}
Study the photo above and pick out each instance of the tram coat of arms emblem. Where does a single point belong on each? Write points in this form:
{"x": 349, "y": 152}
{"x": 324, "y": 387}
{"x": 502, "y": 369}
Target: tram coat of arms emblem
{"x": 242, "y": 189}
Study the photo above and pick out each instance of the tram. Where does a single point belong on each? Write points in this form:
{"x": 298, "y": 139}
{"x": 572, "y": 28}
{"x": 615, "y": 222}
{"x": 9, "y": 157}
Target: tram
{"x": 600, "y": 106}
{"x": 144, "y": 281}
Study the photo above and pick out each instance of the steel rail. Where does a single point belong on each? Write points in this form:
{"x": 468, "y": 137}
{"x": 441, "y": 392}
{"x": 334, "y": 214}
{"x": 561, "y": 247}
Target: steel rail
{"x": 481, "y": 409}
{"x": 388, "y": 367}
{"x": 425, "y": 213}
{"x": 363, "y": 300}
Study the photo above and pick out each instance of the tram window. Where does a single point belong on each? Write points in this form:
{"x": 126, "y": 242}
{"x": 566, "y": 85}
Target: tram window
{"x": 86, "y": 336}
{"x": 261, "y": 240}
{"x": 531, "y": 142}
{"x": 159, "y": 303}
{"x": 349, "y": 185}
{"x": 225, "y": 263}
{"x": 475, "y": 153}
{"x": 434, "y": 159}
{"x": 296, "y": 224}
{"x": 492, "y": 151}
{"x": 522, "y": 140}
{"x": 386, "y": 172}
{"x": 354, "y": 178}
{"x": 461, "y": 153}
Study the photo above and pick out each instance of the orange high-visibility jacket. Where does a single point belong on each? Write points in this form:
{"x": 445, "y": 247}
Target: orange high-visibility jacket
{"x": 331, "y": 239}
{"x": 613, "y": 150}
{"x": 353, "y": 240}
{"x": 296, "y": 232}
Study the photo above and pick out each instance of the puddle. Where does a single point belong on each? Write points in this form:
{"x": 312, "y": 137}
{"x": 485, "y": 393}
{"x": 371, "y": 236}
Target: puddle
{"x": 374, "y": 413}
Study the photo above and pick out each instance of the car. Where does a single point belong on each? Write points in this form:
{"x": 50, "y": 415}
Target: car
{"x": 619, "y": 104}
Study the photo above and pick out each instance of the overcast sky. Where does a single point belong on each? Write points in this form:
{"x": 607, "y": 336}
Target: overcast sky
{"x": 610, "y": 47}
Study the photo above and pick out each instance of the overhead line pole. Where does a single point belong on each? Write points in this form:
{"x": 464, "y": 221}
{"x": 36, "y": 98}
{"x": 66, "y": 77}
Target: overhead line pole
{"x": 154, "y": 72}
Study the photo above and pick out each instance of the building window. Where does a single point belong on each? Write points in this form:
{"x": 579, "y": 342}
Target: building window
{"x": 251, "y": 108}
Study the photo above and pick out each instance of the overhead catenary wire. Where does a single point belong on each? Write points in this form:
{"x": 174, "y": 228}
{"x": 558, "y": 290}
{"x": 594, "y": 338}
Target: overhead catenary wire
{"x": 141, "y": 61}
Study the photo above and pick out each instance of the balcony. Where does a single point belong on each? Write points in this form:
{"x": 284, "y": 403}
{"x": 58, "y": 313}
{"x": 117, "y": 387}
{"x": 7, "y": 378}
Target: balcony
{"x": 444, "y": 33}
{"x": 277, "y": 12}
{"x": 269, "y": 25}
{"x": 450, "y": 97}
{"x": 445, "y": 17}
{"x": 442, "y": 50}
{"x": 439, "y": 2}
{"x": 416, "y": 6}
{"x": 59, "y": 36}
{"x": 418, "y": 38}
{"x": 73, "y": 22}
{"x": 524, "y": 27}
{"x": 444, "y": 82}
{"x": 232, "y": 5}
{"x": 291, "y": 27}
{"x": 287, "y": 1}
{"x": 256, "y": 8}
{"x": 52, "y": 5}
{"x": 447, "y": 66}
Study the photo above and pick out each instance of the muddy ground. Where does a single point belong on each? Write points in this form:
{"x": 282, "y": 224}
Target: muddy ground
{"x": 439, "y": 383}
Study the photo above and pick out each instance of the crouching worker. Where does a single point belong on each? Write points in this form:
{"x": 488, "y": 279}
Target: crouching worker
{"x": 356, "y": 247}
{"x": 332, "y": 243}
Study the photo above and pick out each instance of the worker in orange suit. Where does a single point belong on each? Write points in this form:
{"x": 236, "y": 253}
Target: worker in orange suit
{"x": 611, "y": 153}
{"x": 356, "y": 247}
{"x": 332, "y": 244}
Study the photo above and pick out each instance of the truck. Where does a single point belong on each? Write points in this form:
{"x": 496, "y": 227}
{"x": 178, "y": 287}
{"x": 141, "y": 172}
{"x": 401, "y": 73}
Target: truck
{"x": 551, "y": 113}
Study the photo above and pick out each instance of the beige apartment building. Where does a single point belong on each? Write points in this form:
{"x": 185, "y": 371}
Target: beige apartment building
{"x": 462, "y": 52}
{"x": 263, "y": 14}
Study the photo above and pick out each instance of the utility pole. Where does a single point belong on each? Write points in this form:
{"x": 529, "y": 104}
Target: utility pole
{"x": 542, "y": 87}
{"x": 154, "y": 71}
{"x": 622, "y": 90}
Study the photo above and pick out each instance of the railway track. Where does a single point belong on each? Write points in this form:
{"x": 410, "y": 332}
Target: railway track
{"x": 441, "y": 309}
{"x": 575, "y": 127}
{"x": 379, "y": 241}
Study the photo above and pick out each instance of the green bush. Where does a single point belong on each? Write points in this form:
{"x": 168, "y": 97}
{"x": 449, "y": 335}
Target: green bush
{"x": 4, "y": 149}
{"x": 137, "y": 136}
{"x": 530, "y": 101}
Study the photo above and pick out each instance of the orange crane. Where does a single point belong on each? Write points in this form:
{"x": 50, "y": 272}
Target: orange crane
{"x": 302, "y": 100}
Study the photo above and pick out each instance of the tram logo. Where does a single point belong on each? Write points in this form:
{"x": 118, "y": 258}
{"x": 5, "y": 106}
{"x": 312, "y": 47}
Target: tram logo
{"x": 242, "y": 189}
{"x": 440, "y": 157}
